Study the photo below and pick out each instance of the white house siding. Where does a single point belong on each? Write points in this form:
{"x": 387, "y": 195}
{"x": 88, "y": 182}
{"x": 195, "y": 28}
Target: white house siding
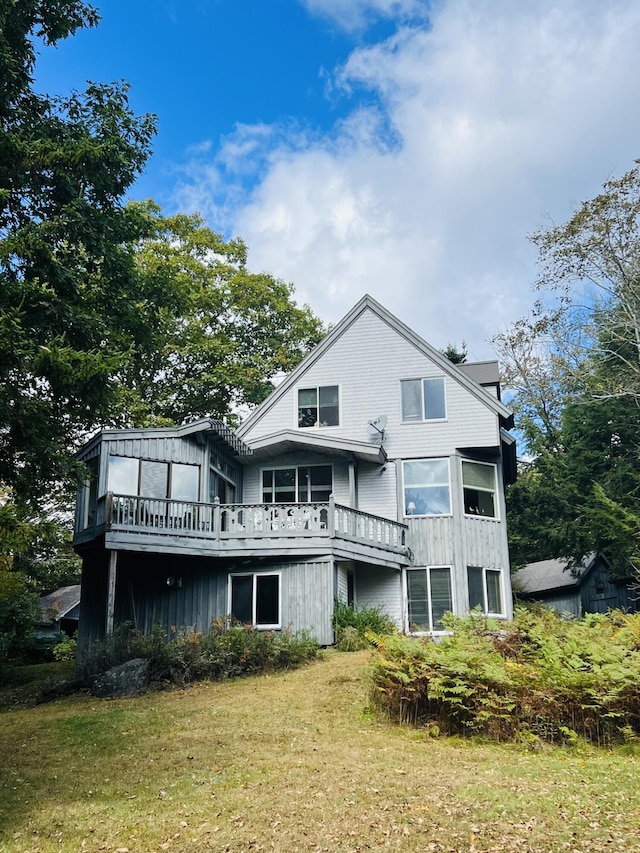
{"x": 381, "y": 588}
{"x": 377, "y": 493}
{"x": 368, "y": 361}
{"x": 342, "y": 583}
{"x": 252, "y": 480}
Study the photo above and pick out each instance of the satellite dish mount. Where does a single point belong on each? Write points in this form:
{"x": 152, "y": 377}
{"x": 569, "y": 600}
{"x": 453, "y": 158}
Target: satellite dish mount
{"x": 376, "y": 427}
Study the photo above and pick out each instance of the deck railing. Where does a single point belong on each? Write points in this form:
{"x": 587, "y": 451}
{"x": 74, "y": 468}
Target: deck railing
{"x": 155, "y": 516}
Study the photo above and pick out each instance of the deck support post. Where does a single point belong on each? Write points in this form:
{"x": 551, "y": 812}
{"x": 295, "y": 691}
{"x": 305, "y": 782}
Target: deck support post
{"x": 111, "y": 591}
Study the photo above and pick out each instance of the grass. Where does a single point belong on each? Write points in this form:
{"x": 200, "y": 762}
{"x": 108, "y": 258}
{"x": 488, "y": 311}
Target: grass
{"x": 293, "y": 762}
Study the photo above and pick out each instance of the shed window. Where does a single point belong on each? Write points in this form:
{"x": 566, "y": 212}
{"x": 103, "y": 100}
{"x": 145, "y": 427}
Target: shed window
{"x": 485, "y": 590}
{"x": 423, "y": 399}
{"x": 429, "y": 598}
{"x": 319, "y": 407}
{"x": 255, "y": 599}
{"x": 479, "y": 485}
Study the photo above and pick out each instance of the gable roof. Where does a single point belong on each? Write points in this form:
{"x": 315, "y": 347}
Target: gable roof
{"x": 368, "y": 303}
{"x": 548, "y": 575}
{"x": 57, "y": 604}
{"x": 289, "y": 440}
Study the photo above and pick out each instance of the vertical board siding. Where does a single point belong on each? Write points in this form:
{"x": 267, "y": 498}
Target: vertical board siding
{"x": 181, "y": 450}
{"x": 432, "y": 540}
{"x": 484, "y": 542}
{"x": 381, "y": 588}
{"x": 307, "y": 597}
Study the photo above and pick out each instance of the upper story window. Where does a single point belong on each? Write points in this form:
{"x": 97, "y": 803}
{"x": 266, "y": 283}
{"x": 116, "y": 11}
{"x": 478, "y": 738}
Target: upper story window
{"x": 319, "y": 406}
{"x": 305, "y": 484}
{"x": 426, "y": 487}
{"x": 479, "y": 486}
{"x": 151, "y": 479}
{"x": 424, "y": 399}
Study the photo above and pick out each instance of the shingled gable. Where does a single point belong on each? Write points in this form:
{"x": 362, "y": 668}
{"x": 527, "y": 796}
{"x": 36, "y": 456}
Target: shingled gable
{"x": 368, "y": 303}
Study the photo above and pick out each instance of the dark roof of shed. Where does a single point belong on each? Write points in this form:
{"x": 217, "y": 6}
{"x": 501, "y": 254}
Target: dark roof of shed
{"x": 62, "y": 601}
{"x": 547, "y": 575}
{"x": 482, "y": 372}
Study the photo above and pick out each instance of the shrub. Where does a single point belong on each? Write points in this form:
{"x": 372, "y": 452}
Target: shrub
{"x": 65, "y": 649}
{"x": 352, "y": 624}
{"x": 538, "y": 678}
{"x": 226, "y": 651}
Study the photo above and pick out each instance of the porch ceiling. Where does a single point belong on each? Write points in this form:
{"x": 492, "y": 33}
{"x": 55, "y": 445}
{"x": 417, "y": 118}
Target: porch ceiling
{"x": 288, "y": 441}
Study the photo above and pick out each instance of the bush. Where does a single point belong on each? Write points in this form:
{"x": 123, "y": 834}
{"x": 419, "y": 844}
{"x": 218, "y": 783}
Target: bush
{"x": 228, "y": 650}
{"x": 352, "y": 625}
{"x": 538, "y": 678}
{"x": 66, "y": 649}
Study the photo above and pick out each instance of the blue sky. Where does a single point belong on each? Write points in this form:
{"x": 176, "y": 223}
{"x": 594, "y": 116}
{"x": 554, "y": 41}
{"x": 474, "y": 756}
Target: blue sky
{"x": 397, "y": 147}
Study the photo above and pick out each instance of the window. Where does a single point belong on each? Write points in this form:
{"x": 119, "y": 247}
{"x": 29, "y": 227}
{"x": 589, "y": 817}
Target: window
{"x": 255, "y": 599}
{"x": 305, "y": 484}
{"x": 479, "y": 485}
{"x": 485, "y": 590}
{"x": 423, "y": 399}
{"x": 429, "y": 598}
{"x": 426, "y": 487}
{"x": 151, "y": 479}
{"x": 318, "y": 407}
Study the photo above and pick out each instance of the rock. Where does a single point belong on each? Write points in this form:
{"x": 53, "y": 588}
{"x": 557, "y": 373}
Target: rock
{"x": 51, "y": 692}
{"x": 125, "y": 680}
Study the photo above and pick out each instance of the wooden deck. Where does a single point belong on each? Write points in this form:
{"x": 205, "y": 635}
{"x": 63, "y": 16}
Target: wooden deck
{"x": 248, "y": 530}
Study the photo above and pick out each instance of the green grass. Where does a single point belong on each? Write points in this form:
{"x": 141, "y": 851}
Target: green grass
{"x": 293, "y": 762}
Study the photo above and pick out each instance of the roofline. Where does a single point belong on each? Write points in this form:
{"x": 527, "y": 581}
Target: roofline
{"x": 368, "y": 302}
{"x": 376, "y": 452}
{"x": 212, "y": 425}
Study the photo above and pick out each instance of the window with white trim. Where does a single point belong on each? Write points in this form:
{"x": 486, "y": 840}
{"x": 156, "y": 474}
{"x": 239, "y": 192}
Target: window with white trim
{"x": 424, "y": 399}
{"x": 429, "y": 597}
{"x": 302, "y": 484}
{"x": 485, "y": 590}
{"x": 254, "y": 599}
{"x": 426, "y": 487}
{"x": 319, "y": 406}
{"x": 479, "y": 487}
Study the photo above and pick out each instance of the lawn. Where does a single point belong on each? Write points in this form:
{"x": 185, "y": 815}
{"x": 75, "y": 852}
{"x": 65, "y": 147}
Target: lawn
{"x": 293, "y": 762}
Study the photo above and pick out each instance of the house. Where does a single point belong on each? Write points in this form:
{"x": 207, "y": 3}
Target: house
{"x": 587, "y": 588}
{"x": 374, "y": 472}
{"x": 60, "y": 611}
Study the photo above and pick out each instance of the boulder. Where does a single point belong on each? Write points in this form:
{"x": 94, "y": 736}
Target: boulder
{"x": 125, "y": 680}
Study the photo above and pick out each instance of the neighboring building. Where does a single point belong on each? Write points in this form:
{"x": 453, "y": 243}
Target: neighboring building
{"x": 588, "y": 588}
{"x": 375, "y": 473}
{"x": 60, "y": 611}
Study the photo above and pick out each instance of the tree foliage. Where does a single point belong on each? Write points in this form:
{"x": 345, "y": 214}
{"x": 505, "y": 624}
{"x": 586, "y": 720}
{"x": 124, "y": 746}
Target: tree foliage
{"x": 574, "y": 371}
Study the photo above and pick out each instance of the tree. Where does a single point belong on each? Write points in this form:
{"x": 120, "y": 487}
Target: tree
{"x": 455, "y": 355}
{"x": 574, "y": 372}
{"x": 217, "y": 335}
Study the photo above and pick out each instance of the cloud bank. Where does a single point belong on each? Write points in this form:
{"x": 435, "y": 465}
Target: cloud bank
{"x": 468, "y": 130}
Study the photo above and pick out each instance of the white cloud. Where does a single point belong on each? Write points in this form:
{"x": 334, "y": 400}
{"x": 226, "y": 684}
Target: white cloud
{"x": 489, "y": 117}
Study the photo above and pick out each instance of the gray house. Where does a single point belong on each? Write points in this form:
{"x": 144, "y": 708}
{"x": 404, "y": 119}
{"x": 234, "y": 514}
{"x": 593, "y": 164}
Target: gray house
{"x": 588, "y": 588}
{"x": 375, "y": 473}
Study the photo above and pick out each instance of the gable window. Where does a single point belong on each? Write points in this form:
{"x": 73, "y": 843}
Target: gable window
{"x": 319, "y": 407}
{"x": 423, "y": 399}
{"x": 304, "y": 484}
{"x": 426, "y": 487}
{"x": 255, "y": 599}
{"x": 485, "y": 590}
{"x": 429, "y": 598}
{"x": 479, "y": 486}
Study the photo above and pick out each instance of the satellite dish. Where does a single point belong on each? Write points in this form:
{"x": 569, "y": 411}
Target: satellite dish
{"x": 377, "y": 425}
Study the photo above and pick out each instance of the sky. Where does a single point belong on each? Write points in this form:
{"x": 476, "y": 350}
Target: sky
{"x": 401, "y": 148}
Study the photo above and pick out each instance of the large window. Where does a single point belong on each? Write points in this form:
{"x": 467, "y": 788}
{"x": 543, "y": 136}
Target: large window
{"x": 424, "y": 399}
{"x": 304, "y": 484}
{"x": 151, "y": 479}
{"x": 479, "y": 485}
{"x": 426, "y": 487}
{"x": 485, "y": 590}
{"x": 319, "y": 407}
{"x": 255, "y": 599}
{"x": 429, "y": 598}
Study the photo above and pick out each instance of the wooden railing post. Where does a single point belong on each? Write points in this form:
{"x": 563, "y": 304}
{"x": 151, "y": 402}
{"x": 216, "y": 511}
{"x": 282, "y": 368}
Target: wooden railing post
{"x": 215, "y": 524}
{"x": 108, "y": 510}
{"x": 331, "y": 520}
